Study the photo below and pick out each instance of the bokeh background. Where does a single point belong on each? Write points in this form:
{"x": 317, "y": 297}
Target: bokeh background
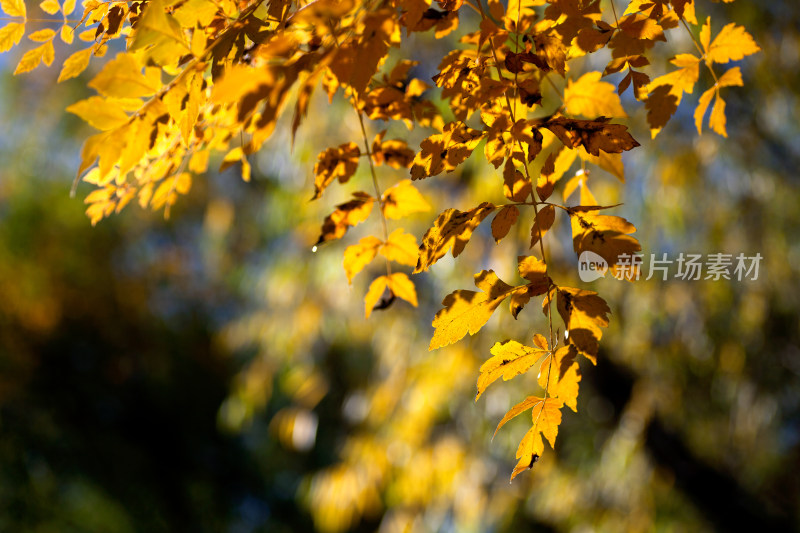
{"x": 210, "y": 373}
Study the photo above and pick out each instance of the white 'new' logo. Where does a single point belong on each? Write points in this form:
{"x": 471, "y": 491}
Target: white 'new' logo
{"x": 591, "y": 266}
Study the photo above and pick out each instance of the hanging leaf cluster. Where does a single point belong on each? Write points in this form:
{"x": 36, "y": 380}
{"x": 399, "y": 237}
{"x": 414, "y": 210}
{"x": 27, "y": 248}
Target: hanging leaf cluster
{"x": 199, "y": 77}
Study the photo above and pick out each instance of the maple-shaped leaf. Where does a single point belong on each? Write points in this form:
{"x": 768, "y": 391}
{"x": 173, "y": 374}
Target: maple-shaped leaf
{"x": 583, "y": 313}
{"x": 401, "y": 247}
{"x": 732, "y": 43}
{"x": 509, "y": 359}
{"x": 546, "y": 415}
{"x": 452, "y": 229}
{"x": 445, "y": 151}
{"x": 593, "y": 135}
{"x": 402, "y": 200}
{"x": 559, "y": 375}
{"x": 346, "y": 215}
{"x": 399, "y": 286}
{"x": 609, "y": 237}
{"x": 467, "y": 311}
{"x": 590, "y": 97}
{"x": 357, "y": 256}
{"x": 335, "y": 163}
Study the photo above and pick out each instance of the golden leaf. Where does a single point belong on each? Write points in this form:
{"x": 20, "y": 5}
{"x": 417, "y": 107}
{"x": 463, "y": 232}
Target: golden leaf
{"x": 122, "y": 78}
{"x": 467, "y": 311}
{"x": 67, "y": 34}
{"x": 30, "y": 60}
{"x": 594, "y": 135}
{"x": 452, "y": 229}
{"x": 10, "y": 35}
{"x": 13, "y": 8}
{"x": 402, "y": 200}
{"x": 560, "y": 374}
{"x": 546, "y": 414}
{"x": 51, "y": 7}
{"x": 335, "y": 163}
{"x": 590, "y": 97}
{"x": 358, "y": 256}
{"x": 445, "y": 151}
{"x": 608, "y": 236}
{"x": 401, "y": 247}
{"x": 346, "y": 215}
{"x": 516, "y": 186}
{"x": 374, "y": 293}
{"x": 99, "y": 112}
{"x": 731, "y": 44}
{"x": 583, "y": 313}
{"x": 542, "y": 223}
{"x": 503, "y": 221}
{"x": 394, "y": 152}
{"x": 402, "y": 287}
{"x": 510, "y": 359}
{"x": 42, "y": 35}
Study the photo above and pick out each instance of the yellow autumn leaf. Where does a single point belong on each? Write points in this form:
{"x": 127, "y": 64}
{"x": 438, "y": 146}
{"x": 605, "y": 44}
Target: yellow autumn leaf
{"x": 67, "y": 34}
{"x": 452, "y": 229}
{"x": 358, "y": 256}
{"x": 51, "y": 7}
{"x": 681, "y": 80}
{"x": 731, "y": 44}
{"x": 30, "y": 60}
{"x": 509, "y": 359}
{"x": 10, "y": 35}
{"x": 402, "y": 200}
{"x": 13, "y": 8}
{"x": 196, "y": 11}
{"x": 467, "y": 311}
{"x": 75, "y": 64}
{"x": 122, "y": 78}
{"x": 42, "y": 35}
{"x": 376, "y": 289}
{"x": 546, "y": 414}
{"x": 717, "y": 121}
{"x": 559, "y": 375}
{"x": 48, "y": 53}
{"x": 503, "y": 220}
{"x": 592, "y": 98}
{"x": 402, "y": 287}
{"x": 608, "y": 236}
{"x": 99, "y": 112}
{"x": 583, "y": 313}
{"x": 401, "y": 247}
